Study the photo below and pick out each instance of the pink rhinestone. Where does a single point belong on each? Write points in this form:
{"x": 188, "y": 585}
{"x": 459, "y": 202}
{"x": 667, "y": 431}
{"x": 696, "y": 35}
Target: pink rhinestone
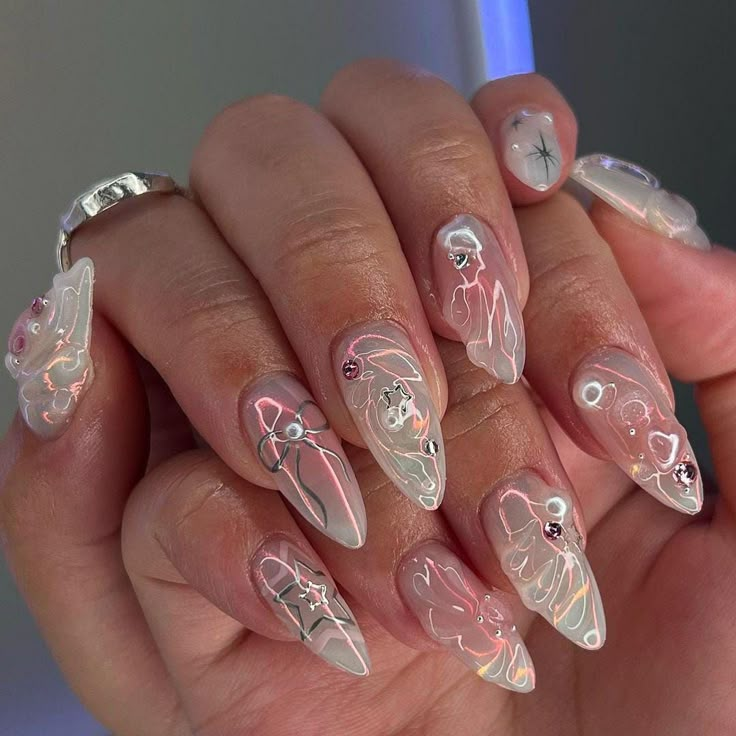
{"x": 18, "y": 344}
{"x": 37, "y": 305}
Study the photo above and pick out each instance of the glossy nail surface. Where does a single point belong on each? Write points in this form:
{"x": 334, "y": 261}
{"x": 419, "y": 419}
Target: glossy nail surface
{"x": 304, "y": 596}
{"x": 638, "y": 195}
{"x": 48, "y": 351}
{"x": 386, "y": 393}
{"x": 531, "y": 151}
{"x": 477, "y": 293}
{"x": 295, "y": 443}
{"x": 456, "y": 610}
{"x": 532, "y": 528}
{"x": 630, "y": 415}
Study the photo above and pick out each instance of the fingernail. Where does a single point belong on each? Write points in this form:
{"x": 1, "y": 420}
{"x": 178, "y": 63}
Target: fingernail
{"x": 295, "y": 443}
{"x": 628, "y": 412}
{"x": 387, "y": 395}
{"x": 48, "y": 351}
{"x": 478, "y": 297}
{"x": 304, "y": 596}
{"x": 531, "y": 151}
{"x": 638, "y": 195}
{"x": 458, "y": 611}
{"x": 532, "y": 528}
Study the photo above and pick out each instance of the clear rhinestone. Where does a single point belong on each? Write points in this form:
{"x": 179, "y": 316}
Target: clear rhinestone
{"x": 685, "y": 474}
{"x": 431, "y": 447}
{"x": 350, "y": 370}
{"x": 460, "y": 260}
{"x": 553, "y": 530}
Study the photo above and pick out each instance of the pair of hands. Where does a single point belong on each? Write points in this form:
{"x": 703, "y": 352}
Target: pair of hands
{"x": 327, "y": 250}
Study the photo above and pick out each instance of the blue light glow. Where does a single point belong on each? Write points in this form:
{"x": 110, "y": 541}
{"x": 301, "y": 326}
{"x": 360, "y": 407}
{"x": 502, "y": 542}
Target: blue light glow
{"x": 507, "y": 37}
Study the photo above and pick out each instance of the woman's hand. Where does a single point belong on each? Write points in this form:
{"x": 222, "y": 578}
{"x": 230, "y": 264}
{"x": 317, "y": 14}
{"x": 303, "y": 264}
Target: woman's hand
{"x": 173, "y": 608}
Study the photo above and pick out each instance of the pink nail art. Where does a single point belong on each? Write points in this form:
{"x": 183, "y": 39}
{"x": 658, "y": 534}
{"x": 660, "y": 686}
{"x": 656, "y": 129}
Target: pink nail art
{"x": 48, "y": 351}
{"x": 295, "y": 443}
{"x": 387, "y": 395}
{"x": 304, "y": 596}
{"x": 534, "y": 533}
{"x": 456, "y": 610}
{"x": 629, "y": 414}
{"x": 478, "y": 297}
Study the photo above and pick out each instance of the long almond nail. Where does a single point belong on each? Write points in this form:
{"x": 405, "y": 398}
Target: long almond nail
{"x": 456, "y": 610}
{"x": 48, "y": 351}
{"x": 295, "y": 443}
{"x": 530, "y": 148}
{"x": 387, "y": 395}
{"x": 478, "y": 296}
{"x": 304, "y": 596}
{"x": 638, "y": 195}
{"x": 532, "y": 528}
{"x": 630, "y": 415}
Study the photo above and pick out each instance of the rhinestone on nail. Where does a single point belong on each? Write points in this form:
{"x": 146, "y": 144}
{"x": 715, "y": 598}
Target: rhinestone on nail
{"x": 460, "y": 260}
{"x": 37, "y": 305}
{"x": 685, "y": 474}
{"x": 431, "y": 447}
{"x": 553, "y": 530}
{"x": 350, "y": 370}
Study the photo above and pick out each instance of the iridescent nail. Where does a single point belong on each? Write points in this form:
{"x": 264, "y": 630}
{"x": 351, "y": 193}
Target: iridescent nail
{"x": 458, "y": 611}
{"x": 630, "y": 415}
{"x": 48, "y": 351}
{"x": 533, "y": 529}
{"x": 530, "y": 148}
{"x": 295, "y": 443}
{"x": 387, "y": 395}
{"x": 304, "y": 596}
{"x": 639, "y": 195}
{"x": 477, "y": 294}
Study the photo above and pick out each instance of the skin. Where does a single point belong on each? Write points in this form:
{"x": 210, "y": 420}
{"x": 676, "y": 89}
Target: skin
{"x": 138, "y": 574}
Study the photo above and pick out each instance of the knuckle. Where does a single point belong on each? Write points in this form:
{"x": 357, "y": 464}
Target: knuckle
{"x": 443, "y": 146}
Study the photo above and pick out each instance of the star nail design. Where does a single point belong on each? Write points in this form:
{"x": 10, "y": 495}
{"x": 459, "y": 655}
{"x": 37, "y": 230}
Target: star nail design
{"x": 544, "y": 153}
{"x": 299, "y": 591}
{"x": 531, "y": 150}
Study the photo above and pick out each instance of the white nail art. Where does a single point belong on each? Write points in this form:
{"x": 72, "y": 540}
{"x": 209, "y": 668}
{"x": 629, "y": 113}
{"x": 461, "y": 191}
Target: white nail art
{"x": 638, "y": 195}
{"x": 386, "y": 392}
{"x": 531, "y": 151}
{"x": 533, "y": 531}
{"x": 49, "y": 351}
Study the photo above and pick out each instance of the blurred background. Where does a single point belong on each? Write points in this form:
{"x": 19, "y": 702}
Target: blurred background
{"x": 90, "y": 89}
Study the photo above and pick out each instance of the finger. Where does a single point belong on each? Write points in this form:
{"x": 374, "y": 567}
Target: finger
{"x": 594, "y": 363}
{"x": 533, "y": 131}
{"x": 173, "y": 518}
{"x": 177, "y": 292}
{"x": 438, "y": 178}
{"x": 698, "y": 349}
{"x": 60, "y": 512}
{"x": 278, "y": 179}
{"x": 220, "y": 567}
{"x": 510, "y": 508}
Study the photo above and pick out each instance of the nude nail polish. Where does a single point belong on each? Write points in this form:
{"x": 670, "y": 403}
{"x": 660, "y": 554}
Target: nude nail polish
{"x": 387, "y": 395}
{"x": 530, "y": 148}
{"x": 477, "y": 294}
{"x": 48, "y": 351}
{"x": 302, "y": 594}
{"x": 533, "y": 529}
{"x": 630, "y": 415}
{"x": 639, "y": 195}
{"x": 458, "y": 611}
{"x": 295, "y": 443}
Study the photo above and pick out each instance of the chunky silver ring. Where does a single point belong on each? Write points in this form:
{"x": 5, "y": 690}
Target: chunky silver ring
{"x": 101, "y": 197}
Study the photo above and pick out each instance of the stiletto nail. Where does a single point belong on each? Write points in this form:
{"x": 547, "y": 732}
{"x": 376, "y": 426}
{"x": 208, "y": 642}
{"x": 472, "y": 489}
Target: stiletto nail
{"x": 638, "y": 195}
{"x": 533, "y": 530}
{"x": 295, "y": 443}
{"x": 304, "y": 596}
{"x": 478, "y": 297}
{"x": 630, "y": 415}
{"x": 456, "y": 610}
{"x": 387, "y": 395}
{"x": 531, "y": 151}
{"x": 48, "y": 351}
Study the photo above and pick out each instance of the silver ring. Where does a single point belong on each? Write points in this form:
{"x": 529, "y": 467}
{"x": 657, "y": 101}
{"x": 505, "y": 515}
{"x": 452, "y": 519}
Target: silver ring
{"x": 101, "y": 197}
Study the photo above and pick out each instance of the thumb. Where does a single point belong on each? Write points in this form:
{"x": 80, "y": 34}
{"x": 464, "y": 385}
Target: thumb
{"x": 688, "y": 298}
